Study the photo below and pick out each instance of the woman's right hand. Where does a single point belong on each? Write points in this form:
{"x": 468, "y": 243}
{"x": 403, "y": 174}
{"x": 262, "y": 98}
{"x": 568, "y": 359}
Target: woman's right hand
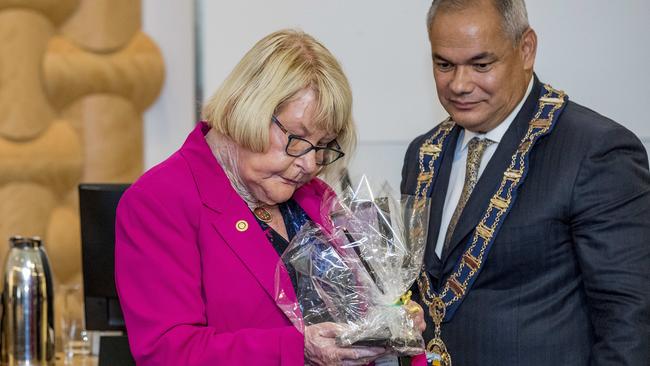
{"x": 321, "y": 348}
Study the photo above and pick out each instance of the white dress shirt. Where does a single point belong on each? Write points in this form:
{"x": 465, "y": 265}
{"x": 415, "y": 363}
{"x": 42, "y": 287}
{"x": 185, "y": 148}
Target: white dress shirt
{"x": 457, "y": 175}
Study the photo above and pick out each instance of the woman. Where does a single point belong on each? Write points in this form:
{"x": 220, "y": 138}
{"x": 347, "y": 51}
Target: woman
{"x": 198, "y": 237}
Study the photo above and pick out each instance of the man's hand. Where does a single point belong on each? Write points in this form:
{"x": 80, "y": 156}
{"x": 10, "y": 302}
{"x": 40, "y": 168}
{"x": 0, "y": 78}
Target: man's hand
{"x": 415, "y": 311}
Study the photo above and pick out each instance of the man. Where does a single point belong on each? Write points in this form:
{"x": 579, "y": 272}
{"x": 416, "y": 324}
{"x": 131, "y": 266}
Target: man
{"x": 538, "y": 249}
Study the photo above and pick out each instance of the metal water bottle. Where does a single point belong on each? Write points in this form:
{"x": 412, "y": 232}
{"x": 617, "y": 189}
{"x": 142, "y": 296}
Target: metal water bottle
{"x": 27, "y": 301}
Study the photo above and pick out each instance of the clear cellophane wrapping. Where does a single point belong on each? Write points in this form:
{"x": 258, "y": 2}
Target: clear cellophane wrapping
{"x": 354, "y": 268}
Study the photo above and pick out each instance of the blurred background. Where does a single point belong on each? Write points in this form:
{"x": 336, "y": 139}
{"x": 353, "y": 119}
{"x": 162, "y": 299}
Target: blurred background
{"x": 100, "y": 90}
{"x": 595, "y": 50}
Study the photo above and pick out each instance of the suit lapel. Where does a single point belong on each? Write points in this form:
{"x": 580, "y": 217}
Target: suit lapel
{"x": 490, "y": 179}
{"x": 254, "y": 250}
{"x": 253, "y": 247}
{"x": 311, "y": 198}
{"x": 229, "y": 213}
{"x": 438, "y": 194}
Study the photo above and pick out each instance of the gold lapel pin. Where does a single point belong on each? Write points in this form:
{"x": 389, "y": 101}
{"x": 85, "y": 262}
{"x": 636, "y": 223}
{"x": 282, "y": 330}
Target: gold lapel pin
{"x": 241, "y": 225}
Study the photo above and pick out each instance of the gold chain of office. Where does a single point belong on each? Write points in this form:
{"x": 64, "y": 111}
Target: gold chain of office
{"x": 499, "y": 205}
{"x": 536, "y": 127}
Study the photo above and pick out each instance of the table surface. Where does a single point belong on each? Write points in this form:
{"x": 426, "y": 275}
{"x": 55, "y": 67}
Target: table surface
{"x": 76, "y": 361}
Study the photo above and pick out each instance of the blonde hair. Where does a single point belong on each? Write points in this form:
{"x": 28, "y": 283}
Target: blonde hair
{"x": 268, "y": 77}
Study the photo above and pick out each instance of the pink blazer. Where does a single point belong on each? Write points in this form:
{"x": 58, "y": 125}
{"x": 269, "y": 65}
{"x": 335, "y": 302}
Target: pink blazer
{"x": 195, "y": 289}
{"x": 194, "y": 271}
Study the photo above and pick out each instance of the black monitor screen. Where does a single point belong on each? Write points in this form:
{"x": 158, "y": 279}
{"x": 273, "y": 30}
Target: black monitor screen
{"x": 97, "y": 205}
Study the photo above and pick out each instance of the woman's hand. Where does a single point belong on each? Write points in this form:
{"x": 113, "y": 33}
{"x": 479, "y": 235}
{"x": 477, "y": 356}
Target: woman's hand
{"x": 321, "y": 348}
{"x": 415, "y": 311}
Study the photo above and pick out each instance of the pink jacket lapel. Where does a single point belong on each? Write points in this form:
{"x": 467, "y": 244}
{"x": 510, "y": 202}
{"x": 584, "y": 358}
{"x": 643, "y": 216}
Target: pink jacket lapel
{"x": 233, "y": 220}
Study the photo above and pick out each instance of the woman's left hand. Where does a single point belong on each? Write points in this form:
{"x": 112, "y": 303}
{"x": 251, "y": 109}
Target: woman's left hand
{"x": 415, "y": 311}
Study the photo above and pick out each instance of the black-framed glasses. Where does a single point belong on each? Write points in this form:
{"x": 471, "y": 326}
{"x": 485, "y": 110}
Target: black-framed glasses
{"x": 297, "y": 147}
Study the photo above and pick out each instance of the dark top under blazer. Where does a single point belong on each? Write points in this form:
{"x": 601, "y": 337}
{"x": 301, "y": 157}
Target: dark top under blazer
{"x": 568, "y": 279}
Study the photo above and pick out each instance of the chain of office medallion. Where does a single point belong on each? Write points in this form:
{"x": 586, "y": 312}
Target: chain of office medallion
{"x": 534, "y": 131}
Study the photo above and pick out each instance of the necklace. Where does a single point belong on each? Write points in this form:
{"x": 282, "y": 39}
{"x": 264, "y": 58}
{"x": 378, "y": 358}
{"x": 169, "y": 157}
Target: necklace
{"x": 263, "y": 214}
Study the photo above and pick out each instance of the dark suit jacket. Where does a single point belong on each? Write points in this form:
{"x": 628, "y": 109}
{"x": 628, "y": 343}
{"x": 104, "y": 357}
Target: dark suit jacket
{"x": 567, "y": 281}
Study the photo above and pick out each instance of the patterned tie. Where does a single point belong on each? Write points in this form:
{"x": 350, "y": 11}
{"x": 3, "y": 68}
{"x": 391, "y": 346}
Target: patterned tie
{"x": 475, "y": 150}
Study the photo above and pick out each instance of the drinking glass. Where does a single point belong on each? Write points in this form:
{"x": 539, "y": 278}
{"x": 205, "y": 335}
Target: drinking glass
{"x": 74, "y": 336}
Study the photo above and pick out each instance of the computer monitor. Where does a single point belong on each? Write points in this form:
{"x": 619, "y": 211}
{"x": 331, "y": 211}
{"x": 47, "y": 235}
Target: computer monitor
{"x": 97, "y": 206}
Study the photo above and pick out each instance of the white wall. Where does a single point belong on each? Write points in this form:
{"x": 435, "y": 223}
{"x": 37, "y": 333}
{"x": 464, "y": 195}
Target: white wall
{"x": 170, "y": 23}
{"x": 593, "y": 49}
{"x": 381, "y": 45}
{"x": 597, "y": 51}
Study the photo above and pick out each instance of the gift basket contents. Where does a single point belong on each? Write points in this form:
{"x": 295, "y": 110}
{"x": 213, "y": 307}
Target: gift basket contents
{"x": 356, "y": 267}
